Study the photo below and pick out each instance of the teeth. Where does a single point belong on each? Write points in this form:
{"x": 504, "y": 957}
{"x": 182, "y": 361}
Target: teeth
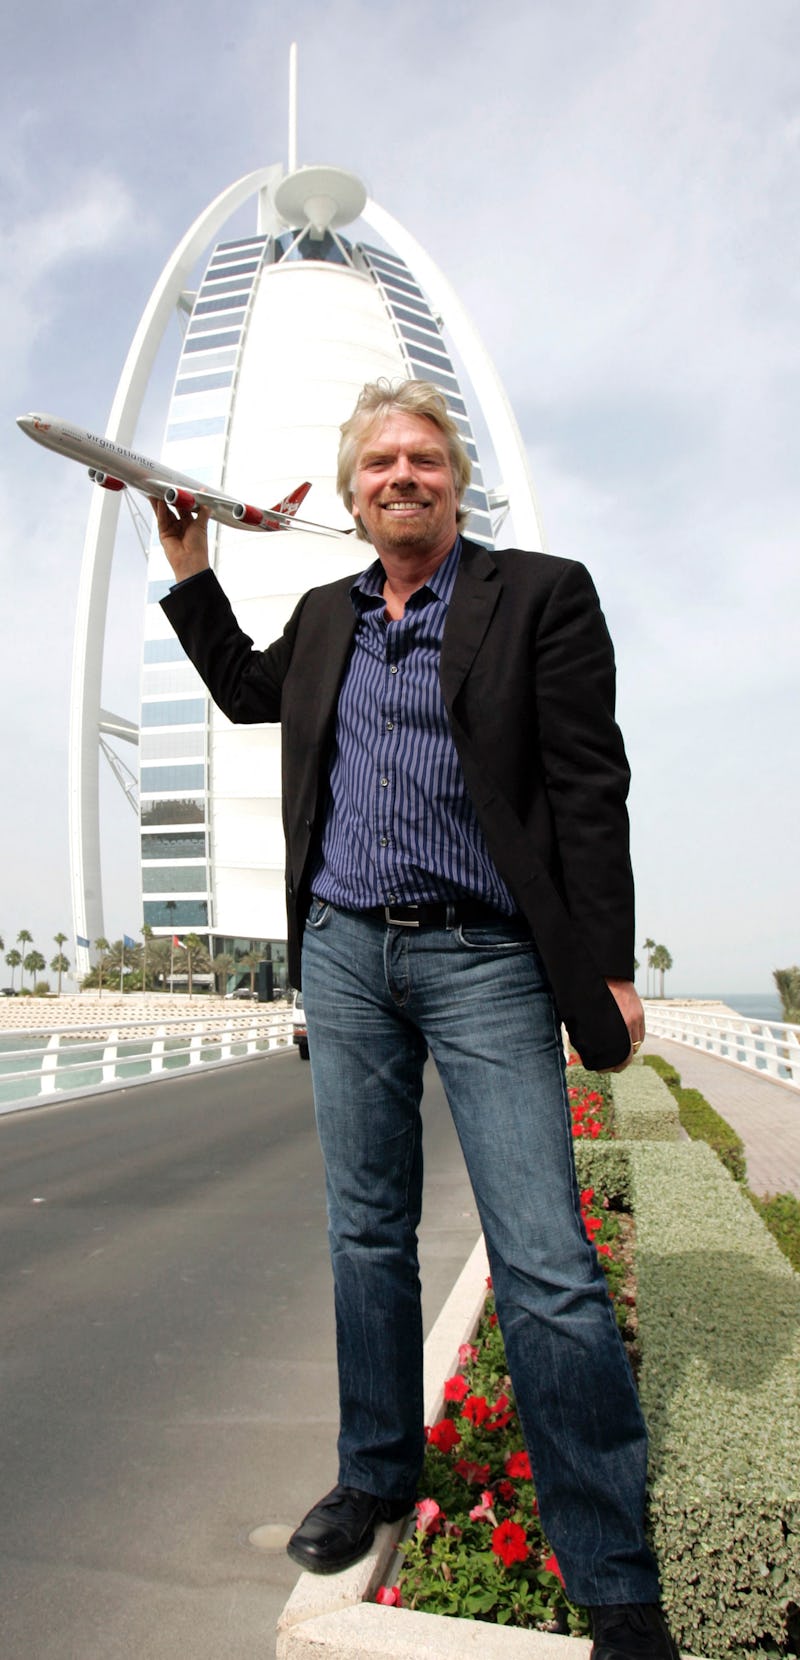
{"x": 402, "y": 506}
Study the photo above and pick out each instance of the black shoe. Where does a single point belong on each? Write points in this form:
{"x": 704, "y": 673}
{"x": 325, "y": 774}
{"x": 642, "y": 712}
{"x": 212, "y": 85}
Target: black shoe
{"x": 631, "y": 1631}
{"x": 340, "y": 1528}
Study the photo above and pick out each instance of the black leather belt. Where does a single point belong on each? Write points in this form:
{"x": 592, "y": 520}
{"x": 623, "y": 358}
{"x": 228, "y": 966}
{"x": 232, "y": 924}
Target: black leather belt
{"x": 439, "y": 914}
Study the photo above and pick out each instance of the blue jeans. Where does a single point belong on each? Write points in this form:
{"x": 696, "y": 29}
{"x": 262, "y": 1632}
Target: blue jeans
{"x": 377, "y": 997}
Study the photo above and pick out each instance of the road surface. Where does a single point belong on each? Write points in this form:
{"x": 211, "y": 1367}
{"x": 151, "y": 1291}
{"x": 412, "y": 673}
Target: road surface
{"x": 167, "y": 1375}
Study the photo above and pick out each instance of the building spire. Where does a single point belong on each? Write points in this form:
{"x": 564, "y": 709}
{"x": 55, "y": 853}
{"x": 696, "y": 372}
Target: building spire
{"x": 292, "y": 159}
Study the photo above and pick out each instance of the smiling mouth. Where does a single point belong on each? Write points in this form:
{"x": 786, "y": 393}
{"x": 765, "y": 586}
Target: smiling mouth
{"x": 410, "y": 506}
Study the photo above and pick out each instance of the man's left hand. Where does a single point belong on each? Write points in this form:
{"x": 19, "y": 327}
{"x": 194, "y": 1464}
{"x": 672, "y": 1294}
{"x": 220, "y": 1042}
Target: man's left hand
{"x": 630, "y": 1007}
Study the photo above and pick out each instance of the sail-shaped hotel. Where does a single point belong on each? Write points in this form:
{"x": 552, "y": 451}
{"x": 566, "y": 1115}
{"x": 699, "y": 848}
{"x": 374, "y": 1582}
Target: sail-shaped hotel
{"x": 285, "y": 327}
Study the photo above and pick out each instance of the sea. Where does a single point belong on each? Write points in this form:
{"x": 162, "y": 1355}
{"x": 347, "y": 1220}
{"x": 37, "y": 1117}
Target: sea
{"x": 757, "y": 1005}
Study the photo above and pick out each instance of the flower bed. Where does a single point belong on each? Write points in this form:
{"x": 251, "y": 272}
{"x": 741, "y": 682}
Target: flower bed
{"x": 477, "y": 1548}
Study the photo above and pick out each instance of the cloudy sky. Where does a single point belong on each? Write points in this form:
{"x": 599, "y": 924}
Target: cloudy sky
{"x": 613, "y": 189}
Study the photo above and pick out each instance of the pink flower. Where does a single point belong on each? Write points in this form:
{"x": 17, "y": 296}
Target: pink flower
{"x": 444, "y": 1435}
{"x": 509, "y": 1543}
{"x": 551, "y": 1567}
{"x": 466, "y": 1353}
{"x": 483, "y": 1511}
{"x": 389, "y": 1596}
{"x": 429, "y": 1516}
{"x": 456, "y": 1388}
{"x": 518, "y": 1464}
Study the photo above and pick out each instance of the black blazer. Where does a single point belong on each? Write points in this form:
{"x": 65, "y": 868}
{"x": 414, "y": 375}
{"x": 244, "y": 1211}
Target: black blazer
{"x": 527, "y": 674}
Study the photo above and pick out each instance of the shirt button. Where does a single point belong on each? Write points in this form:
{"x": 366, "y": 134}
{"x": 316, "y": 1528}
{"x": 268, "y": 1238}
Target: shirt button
{"x": 384, "y": 782}
{"x": 393, "y": 669}
{"x": 384, "y": 841}
{"x": 390, "y": 725}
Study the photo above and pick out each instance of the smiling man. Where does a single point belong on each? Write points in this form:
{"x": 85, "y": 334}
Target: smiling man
{"x": 458, "y": 881}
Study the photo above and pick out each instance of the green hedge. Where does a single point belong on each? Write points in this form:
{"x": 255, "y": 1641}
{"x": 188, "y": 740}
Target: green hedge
{"x": 781, "y": 1214}
{"x": 719, "y": 1332}
{"x": 644, "y": 1109}
{"x": 700, "y": 1120}
{"x": 605, "y": 1165}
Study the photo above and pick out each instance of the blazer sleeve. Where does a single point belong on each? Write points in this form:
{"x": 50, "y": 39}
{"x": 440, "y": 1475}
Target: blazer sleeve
{"x": 245, "y": 684}
{"x": 585, "y": 767}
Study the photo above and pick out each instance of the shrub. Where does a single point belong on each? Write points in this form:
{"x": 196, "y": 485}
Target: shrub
{"x": 702, "y": 1123}
{"x": 644, "y": 1109}
{"x": 719, "y": 1333}
{"x": 665, "y": 1070}
{"x": 781, "y": 1213}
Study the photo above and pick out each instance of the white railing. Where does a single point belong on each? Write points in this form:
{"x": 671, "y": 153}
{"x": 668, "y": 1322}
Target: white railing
{"x": 41, "y": 1063}
{"x": 768, "y": 1047}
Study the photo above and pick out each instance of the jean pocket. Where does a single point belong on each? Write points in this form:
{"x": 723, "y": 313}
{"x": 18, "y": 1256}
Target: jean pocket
{"x": 496, "y": 937}
{"x": 319, "y": 912}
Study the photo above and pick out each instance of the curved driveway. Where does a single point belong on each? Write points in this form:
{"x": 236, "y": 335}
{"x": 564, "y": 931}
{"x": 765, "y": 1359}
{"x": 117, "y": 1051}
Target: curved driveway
{"x": 167, "y": 1377}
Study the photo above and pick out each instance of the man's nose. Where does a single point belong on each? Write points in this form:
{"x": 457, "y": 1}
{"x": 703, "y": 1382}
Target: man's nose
{"x": 403, "y": 471}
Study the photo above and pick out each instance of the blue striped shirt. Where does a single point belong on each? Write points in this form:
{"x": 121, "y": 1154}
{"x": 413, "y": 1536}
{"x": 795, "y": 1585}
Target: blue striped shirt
{"x": 400, "y": 827}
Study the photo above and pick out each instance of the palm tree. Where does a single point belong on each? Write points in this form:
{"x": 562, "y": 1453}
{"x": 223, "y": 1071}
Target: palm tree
{"x": 103, "y": 947}
{"x": 33, "y": 964}
{"x": 147, "y": 935}
{"x": 649, "y": 946}
{"x": 59, "y": 964}
{"x": 251, "y": 962}
{"x": 24, "y": 938}
{"x": 223, "y": 965}
{"x": 196, "y": 957}
{"x": 787, "y": 981}
{"x": 14, "y": 958}
{"x": 662, "y": 961}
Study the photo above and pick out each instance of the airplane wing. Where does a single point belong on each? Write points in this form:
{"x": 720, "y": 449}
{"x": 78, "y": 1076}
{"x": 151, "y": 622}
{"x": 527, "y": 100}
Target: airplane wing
{"x": 241, "y": 514}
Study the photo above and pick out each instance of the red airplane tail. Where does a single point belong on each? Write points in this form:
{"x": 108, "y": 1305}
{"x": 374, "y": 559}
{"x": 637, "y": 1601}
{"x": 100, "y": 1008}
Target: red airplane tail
{"x": 290, "y": 503}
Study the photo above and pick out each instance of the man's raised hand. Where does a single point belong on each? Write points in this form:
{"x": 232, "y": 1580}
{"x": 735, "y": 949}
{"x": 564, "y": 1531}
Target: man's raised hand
{"x": 183, "y": 536}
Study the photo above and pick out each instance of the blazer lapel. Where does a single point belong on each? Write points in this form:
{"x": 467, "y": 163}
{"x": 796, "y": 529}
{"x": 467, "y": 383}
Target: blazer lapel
{"x": 475, "y": 596}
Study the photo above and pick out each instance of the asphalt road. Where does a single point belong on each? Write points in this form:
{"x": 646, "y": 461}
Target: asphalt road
{"x": 167, "y": 1375}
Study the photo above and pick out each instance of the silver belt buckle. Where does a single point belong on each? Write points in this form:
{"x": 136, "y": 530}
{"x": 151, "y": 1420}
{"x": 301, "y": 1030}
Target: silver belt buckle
{"x": 398, "y": 921}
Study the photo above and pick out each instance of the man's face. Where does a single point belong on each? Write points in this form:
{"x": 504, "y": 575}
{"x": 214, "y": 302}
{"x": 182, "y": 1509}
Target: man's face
{"x": 403, "y": 490}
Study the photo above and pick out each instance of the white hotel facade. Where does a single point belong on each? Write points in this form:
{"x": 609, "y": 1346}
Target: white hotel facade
{"x": 286, "y": 326}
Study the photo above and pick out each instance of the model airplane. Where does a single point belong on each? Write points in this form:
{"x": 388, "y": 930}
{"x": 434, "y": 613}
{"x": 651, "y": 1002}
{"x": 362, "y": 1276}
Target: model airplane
{"x": 113, "y": 467}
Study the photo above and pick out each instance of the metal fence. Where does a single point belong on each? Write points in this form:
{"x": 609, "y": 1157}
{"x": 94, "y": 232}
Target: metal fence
{"x": 768, "y": 1047}
{"x": 44, "y": 1063}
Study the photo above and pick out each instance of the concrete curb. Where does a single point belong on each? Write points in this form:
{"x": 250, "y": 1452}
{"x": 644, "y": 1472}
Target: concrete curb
{"x": 330, "y": 1617}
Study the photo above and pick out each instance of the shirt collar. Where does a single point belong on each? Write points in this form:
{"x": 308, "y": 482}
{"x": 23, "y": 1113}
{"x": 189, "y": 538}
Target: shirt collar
{"x": 369, "y": 585}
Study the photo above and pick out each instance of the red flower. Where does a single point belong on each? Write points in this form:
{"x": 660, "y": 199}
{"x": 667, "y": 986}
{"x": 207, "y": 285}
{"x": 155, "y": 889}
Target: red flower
{"x": 551, "y": 1567}
{"x": 389, "y": 1596}
{"x": 604, "y": 1251}
{"x": 509, "y": 1543}
{"x": 429, "y": 1516}
{"x": 489, "y": 1281}
{"x": 500, "y": 1413}
{"x": 476, "y": 1408}
{"x": 456, "y": 1388}
{"x": 506, "y": 1490}
{"x": 587, "y": 1195}
{"x": 444, "y": 1435}
{"x": 492, "y": 1319}
{"x": 473, "y": 1473}
{"x": 518, "y": 1464}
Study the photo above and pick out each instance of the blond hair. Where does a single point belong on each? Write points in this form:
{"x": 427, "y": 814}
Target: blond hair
{"x": 381, "y": 398}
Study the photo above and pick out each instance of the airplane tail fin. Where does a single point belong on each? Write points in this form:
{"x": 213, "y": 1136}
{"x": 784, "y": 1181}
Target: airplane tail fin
{"x": 290, "y": 503}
